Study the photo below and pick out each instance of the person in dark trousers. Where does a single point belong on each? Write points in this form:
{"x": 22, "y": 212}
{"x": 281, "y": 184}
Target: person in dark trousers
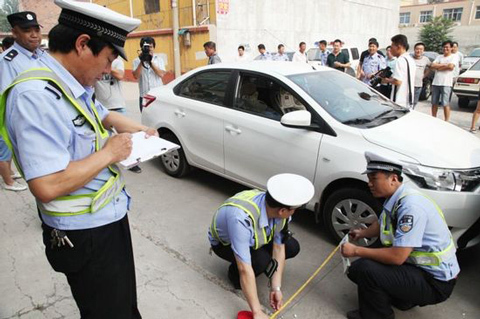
{"x": 417, "y": 265}
{"x": 250, "y": 230}
{"x": 62, "y": 145}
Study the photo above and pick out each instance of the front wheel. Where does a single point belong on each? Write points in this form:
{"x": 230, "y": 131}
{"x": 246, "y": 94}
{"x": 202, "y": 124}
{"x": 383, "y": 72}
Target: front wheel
{"x": 174, "y": 163}
{"x": 350, "y": 208}
{"x": 426, "y": 91}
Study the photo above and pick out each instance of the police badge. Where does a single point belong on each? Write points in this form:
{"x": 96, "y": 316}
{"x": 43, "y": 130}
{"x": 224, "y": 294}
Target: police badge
{"x": 406, "y": 223}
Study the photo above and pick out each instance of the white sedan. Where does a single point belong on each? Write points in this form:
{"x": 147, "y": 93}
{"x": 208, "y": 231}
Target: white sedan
{"x": 249, "y": 121}
{"x": 467, "y": 86}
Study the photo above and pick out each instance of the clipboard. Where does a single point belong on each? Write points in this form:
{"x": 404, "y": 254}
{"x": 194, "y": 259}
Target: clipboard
{"x": 145, "y": 149}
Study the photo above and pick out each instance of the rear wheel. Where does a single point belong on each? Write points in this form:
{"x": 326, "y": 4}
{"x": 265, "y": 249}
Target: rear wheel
{"x": 426, "y": 90}
{"x": 463, "y": 102}
{"x": 350, "y": 208}
{"x": 174, "y": 163}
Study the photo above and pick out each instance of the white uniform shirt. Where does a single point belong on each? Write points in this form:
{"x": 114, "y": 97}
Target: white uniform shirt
{"x": 400, "y": 94}
{"x": 299, "y": 57}
{"x": 149, "y": 79}
{"x": 108, "y": 90}
{"x": 445, "y": 77}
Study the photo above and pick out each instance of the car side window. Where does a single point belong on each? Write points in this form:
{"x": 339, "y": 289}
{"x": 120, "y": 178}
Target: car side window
{"x": 345, "y": 51}
{"x": 209, "y": 87}
{"x": 265, "y": 97}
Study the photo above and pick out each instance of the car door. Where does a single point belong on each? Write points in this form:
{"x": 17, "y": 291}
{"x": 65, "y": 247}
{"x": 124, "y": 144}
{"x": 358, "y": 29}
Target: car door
{"x": 198, "y": 117}
{"x": 256, "y": 145}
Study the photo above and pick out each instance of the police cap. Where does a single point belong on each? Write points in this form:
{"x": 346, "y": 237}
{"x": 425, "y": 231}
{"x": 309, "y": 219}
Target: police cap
{"x": 290, "y": 189}
{"x": 98, "y": 21}
{"x": 24, "y": 19}
{"x": 377, "y": 163}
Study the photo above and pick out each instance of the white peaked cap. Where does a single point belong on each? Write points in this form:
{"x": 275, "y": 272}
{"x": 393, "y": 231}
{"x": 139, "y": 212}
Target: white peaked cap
{"x": 290, "y": 189}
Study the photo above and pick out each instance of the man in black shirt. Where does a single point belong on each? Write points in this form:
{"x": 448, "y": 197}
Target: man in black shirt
{"x": 337, "y": 59}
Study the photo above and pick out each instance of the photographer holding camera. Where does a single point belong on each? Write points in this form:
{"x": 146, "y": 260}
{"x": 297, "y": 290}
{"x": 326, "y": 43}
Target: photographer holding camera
{"x": 403, "y": 78}
{"x": 373, "y": 63}
{"x": 148, "y": 68}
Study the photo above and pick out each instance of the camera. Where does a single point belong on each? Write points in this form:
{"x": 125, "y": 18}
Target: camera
{"x": 145, "y": 55}
{"x": 382, "y": 74}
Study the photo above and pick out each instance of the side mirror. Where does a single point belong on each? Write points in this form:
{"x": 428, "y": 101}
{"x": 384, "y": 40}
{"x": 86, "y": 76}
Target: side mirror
{"x": 297, "y": 119}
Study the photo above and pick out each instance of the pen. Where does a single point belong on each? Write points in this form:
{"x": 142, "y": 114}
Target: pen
{"x": 112, "y": 128}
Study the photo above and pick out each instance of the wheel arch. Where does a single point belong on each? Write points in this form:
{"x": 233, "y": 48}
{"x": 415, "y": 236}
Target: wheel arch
{"x": 334, "y": 186}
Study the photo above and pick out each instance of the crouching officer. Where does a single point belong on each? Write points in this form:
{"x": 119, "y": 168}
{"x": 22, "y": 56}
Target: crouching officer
{"x": 62, "y": 147}
{"x": 250, "y": 230}
{"x": 417, "y": 266}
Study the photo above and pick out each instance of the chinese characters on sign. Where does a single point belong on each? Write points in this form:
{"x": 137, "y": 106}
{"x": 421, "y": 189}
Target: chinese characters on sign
{"x": 223, "y": 6}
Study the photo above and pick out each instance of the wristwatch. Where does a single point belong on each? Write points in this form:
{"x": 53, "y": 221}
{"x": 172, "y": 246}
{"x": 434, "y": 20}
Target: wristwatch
{"x": 275, "y": 288}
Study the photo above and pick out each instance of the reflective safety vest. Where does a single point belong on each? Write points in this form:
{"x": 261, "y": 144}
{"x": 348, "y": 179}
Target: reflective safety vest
{"x": 421, "y": 258}
{"x": 244, "y": 201}
{"x": 73, "y": 204}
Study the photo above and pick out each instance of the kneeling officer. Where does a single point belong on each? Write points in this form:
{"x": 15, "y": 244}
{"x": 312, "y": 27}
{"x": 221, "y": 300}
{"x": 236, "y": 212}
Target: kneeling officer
{"x": 418, "y": 266}
{"x": 250, "y": 230}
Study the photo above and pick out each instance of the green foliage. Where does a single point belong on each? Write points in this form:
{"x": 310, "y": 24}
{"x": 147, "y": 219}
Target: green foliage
{"x": 435, "y": 32}
{"x": 9, "y": 7}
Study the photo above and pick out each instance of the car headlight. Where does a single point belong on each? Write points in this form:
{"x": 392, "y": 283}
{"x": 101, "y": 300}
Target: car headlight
{"x": 443, "y": 179}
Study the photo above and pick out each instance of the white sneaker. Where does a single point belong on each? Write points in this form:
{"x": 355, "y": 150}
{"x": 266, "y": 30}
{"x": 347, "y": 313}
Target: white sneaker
{"x": 16, "y": 175}
{"x": 16, "y": 187}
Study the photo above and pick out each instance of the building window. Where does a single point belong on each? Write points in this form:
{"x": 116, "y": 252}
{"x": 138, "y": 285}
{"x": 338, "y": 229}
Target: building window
{"x": 453, "y": 14}
{"x": 404, "y": 17}
{"x": 477, "y": 13}
{"x": 426, "y": 16}
{"x": 151, "y": 6}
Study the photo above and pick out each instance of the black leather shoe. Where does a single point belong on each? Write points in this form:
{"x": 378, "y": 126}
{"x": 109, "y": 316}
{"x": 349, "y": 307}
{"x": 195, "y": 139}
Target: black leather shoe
{"x": 135, "y": 169}
{"x": 354, "y": 314}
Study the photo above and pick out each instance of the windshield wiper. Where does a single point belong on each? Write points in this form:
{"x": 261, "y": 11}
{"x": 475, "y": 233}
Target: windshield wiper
{"x": 357, "y": 121}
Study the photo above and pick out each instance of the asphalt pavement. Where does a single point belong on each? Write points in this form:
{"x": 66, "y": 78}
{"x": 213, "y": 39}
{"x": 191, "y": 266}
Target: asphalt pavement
{"x": 176, "y": 276}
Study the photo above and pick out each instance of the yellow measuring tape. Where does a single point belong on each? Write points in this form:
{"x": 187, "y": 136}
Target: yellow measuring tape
{"x": 306, "y": 283}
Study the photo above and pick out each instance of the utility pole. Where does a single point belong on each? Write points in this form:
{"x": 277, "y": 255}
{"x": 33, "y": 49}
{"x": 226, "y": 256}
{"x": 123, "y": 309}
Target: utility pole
{"x": 176, "y": 45}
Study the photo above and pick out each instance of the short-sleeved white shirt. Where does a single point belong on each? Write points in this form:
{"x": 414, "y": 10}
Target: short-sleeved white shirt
{"x": 400, "y": 94}
{"x": 108, "y": 90}
{"x": 445, "y": 77}
{"x": 149, "y": 79}
{"x": 421, "y": 64}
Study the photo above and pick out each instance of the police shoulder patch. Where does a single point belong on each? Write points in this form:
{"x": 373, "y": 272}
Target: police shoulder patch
{"x": 11, "y": 55}
{"x": 405, "y": 224}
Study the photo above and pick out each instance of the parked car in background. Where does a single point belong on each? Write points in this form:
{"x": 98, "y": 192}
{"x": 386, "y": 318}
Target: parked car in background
{"x": 250, "y": 121}
{"x": 467, "y": 86}
{"x": 313, "y": 56}
{"x": 470, "y": 60}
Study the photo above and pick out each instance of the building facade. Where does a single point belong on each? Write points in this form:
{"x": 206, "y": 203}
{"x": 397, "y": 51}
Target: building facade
{"x": 465, "y": 14}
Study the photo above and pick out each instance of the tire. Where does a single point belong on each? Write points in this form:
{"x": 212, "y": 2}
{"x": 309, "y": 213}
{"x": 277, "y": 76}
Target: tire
{"x": 463, "y": 102}
{"x": 347, "y": 208}
{"x": 174, "y": 163}
{"x": 426, "y": 91}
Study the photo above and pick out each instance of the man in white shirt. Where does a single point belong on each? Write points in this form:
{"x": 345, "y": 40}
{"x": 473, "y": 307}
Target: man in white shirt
{"x": 459, "y": 54}
{"x": 444, "y": 65}
{"x": 300, "y": 55}
{"x": 423, "y": 69}
{"x": 108, "y": 90}
{"x": 241, "y": 57}
{"x": 281, "y": 56}
{"x": 403, "y": 77}
{"x": 148, "y": 68}
{"x": 264, "y": 55}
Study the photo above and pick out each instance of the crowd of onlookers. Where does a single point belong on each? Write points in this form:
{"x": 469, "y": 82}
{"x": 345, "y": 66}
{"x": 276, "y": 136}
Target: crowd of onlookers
{"x": 402, "y": 73}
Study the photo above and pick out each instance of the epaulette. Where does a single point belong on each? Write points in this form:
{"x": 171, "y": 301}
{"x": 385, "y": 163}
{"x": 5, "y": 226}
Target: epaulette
{"x": 53, "y": 88}
{"x": 11, "y": 55}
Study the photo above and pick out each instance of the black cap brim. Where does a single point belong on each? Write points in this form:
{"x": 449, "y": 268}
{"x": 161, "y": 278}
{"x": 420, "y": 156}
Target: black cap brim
{"x": 121, "y": 51}
{"x": 29, "y": 25}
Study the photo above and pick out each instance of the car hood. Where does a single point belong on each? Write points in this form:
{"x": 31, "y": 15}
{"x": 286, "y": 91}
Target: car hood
{"x": 427, "y": 141}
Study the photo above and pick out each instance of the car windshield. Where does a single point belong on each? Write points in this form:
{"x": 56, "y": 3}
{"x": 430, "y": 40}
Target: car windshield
{"x": 348, "y": 100}
{"x": 476, "y": 66}
{"x": 475, "y": 53}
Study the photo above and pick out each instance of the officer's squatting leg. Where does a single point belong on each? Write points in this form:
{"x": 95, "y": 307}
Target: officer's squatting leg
{"x": 380, "y": 285}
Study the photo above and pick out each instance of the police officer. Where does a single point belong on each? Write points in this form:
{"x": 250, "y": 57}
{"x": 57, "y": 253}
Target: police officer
{"x": 417, "y": 266}
{"x": 372, "y": 63}
{"x": 250, "y": 230}
{"x": 62, "y": 146}
{"x": 22, "y": 55}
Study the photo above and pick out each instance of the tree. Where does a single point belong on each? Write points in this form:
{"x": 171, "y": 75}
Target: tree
{"x": 435, "y": 32}
{"x": 9, "y": 7}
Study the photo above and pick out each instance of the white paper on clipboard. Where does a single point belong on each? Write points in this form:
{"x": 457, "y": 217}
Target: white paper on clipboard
{"x": 145, "y": 149}
{"x": 345, "y": 260}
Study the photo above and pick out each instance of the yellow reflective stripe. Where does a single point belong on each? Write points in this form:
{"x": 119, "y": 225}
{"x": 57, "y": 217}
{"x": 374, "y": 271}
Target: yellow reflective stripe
{"x": 103, "y": 132}
{"x": 214, "y": 230}
{"x": 251, "y": 216}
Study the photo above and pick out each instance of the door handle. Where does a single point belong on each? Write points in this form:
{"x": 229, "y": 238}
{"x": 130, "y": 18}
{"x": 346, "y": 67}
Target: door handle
{"x": 231, "y": 129}
{"x": 180, "y": 113}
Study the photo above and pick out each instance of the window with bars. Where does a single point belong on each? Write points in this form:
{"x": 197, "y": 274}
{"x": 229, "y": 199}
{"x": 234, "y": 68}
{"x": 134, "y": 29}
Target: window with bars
{"x": 454, "y": 14}
{"x": 151, "y": 6}
{"x": 426, "y": 16}
{"x": 404, "y": 17}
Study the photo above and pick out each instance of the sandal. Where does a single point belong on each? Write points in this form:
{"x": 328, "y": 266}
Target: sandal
{"x": 473, "y": 130}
